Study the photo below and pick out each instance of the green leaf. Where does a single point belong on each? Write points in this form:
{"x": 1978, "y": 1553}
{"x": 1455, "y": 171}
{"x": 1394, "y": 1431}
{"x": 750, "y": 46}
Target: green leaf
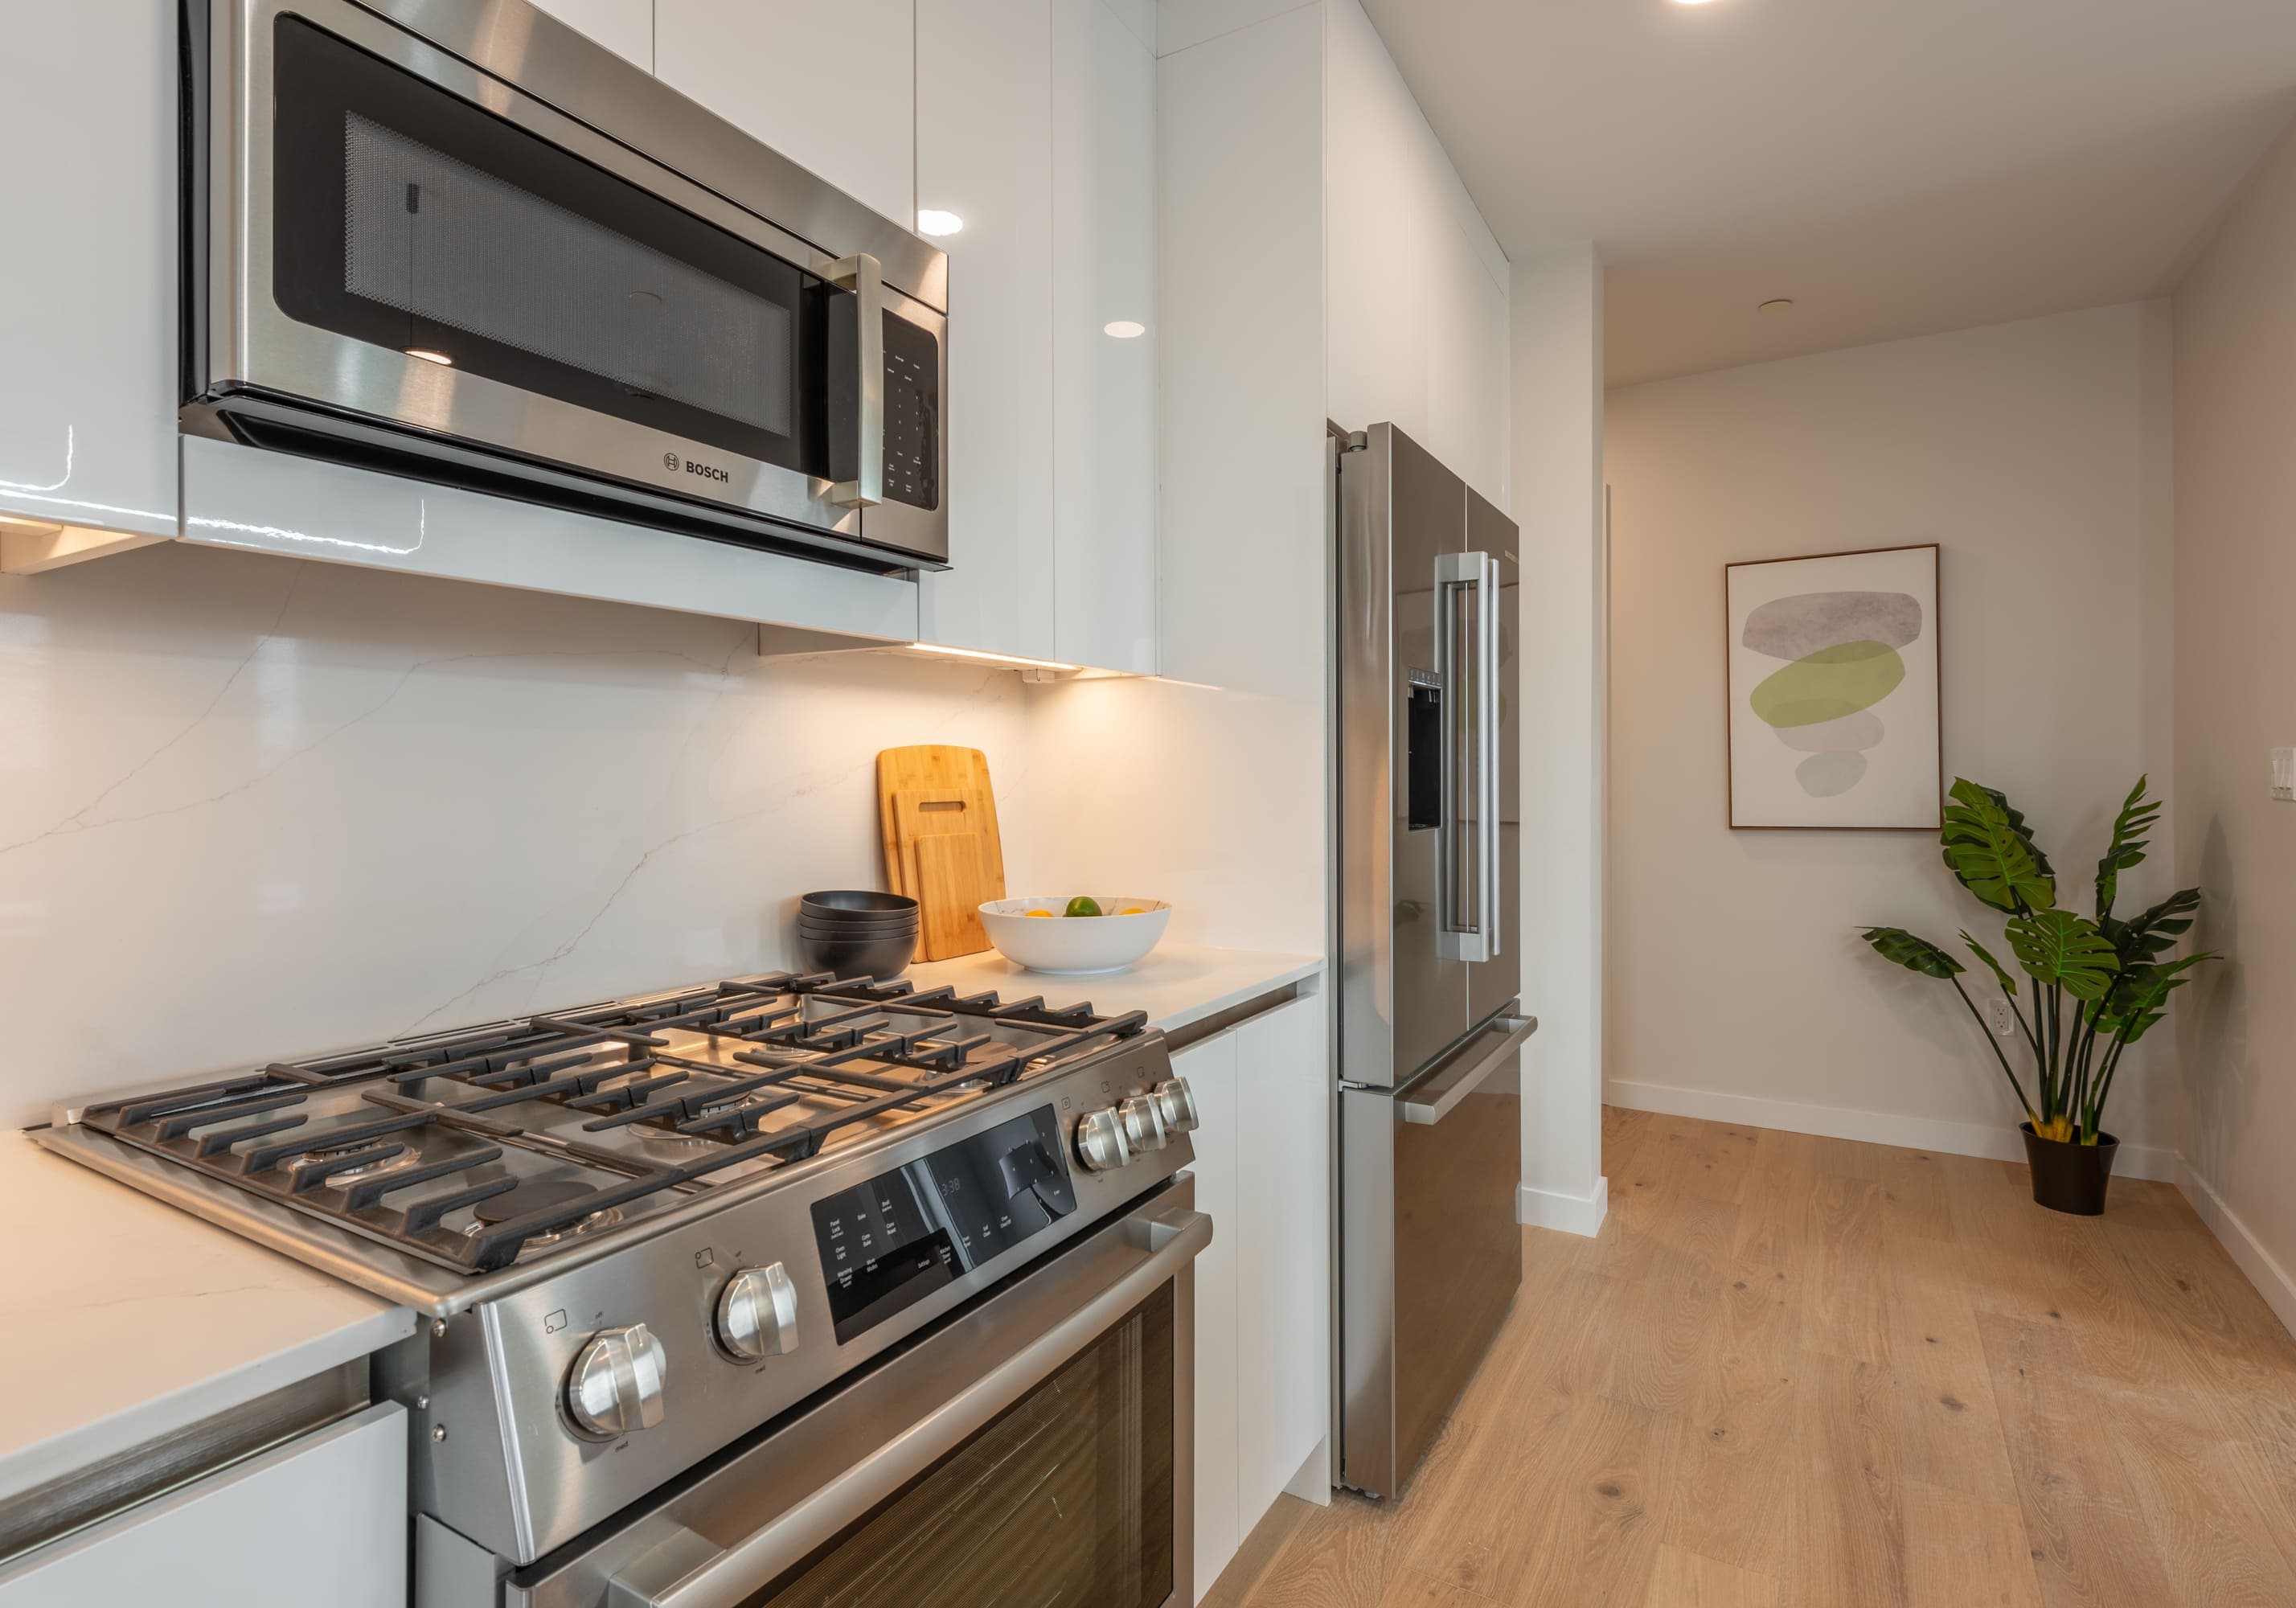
{"x": 2008, "y": 984}
{"x": 2138, "y": 1000}
{"x": 2156, "y": 931}
{"x": 1913, "y": 954}
{"x": 1990, "y": 848}
{"x": 2138, "y": 814}
{"x": 2065, "y": 951}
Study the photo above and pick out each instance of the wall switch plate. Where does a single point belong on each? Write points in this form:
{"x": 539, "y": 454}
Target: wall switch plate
{"x": 2283, "y": 774}
{"x": 2004, "y": 1023}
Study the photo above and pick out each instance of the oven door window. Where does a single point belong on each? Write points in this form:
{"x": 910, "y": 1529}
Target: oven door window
{"x": 409, "y": 218}
{"x": 1067, "y": 1498}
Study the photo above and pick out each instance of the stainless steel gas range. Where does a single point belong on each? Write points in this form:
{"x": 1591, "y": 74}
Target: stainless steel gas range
{"x": 777, "y": 1291}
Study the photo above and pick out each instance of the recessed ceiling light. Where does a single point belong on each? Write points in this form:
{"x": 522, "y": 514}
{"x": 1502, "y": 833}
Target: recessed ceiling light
{"x": 1775, "y": 304}
{"x": 1124, "y": 329}
{"x": 1690, "y": 2}
{"x": 427, "y": 356}
{"x": 933, "y": 220}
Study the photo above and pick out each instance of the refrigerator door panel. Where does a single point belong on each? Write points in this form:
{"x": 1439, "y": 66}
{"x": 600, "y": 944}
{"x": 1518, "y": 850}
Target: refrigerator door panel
{"x": 1431, "y": 1257}
{"x": 1402, "y": 515}
{"x": 1492, "y": 984}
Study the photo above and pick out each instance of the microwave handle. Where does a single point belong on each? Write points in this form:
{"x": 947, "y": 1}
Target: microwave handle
{"x": 864, "y": 277}
{"x": 1168, "y": 1241}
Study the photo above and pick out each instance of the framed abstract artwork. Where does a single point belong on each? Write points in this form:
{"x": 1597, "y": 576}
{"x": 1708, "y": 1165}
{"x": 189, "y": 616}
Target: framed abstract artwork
{"x": 1834, "y": 716}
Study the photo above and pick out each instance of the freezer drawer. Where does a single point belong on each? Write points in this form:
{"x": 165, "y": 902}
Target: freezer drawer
{"x": 1431, "y": 1257}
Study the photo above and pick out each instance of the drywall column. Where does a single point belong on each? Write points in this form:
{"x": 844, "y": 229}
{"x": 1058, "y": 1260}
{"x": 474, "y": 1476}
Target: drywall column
{"x": 2235, "y": 661}
{"x": 1557, "y": 318}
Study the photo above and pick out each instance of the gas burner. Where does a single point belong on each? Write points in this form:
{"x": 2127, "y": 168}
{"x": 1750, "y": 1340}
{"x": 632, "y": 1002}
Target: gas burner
{"x": 538, "y": 1130}
{"x": 387, "y": 1161}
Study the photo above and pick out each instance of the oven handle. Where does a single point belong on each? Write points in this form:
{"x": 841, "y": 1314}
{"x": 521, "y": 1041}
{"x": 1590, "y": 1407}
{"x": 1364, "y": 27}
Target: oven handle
{"x": 1171, "y": 1237}
{"x": 863, "y": 276}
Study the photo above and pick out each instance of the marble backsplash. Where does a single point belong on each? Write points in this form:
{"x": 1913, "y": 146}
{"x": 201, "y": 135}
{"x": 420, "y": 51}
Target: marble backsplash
{"x": 252, "y": 807}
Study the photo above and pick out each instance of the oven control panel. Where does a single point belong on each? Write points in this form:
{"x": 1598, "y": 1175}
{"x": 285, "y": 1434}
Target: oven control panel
{"x": 890, "y": 1243}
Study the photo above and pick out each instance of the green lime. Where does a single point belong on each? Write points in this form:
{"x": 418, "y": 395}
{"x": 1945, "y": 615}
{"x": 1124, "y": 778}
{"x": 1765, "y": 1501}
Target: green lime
{"x": 1083, "y": 904}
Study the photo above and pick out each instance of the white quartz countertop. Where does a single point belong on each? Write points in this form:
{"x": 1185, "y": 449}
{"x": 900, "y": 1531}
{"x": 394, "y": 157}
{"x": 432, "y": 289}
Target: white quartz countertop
{"x": 123, "y": 1318}
{"x": 1176, "y": 984}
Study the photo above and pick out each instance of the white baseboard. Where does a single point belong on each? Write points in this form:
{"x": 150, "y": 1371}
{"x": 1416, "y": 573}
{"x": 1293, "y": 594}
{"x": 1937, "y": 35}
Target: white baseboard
{"x": 2271, "y": 1279}
{"x": 1999, "y": 1144}
{"x": 1581, "y": 1214}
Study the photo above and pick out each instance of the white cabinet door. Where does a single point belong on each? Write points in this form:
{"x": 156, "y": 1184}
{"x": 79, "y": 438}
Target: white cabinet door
{"x": 985, "y": 153}
{"x": 1103, "y": 382}
{"x": 829, "y": 86}
{"x": 321, "y": 1518}
{"x": 1210, "y": 1067}
{"x": 88, "y": 277}
{"x": 1282, "y": 1272}
{"x": 625, "y": 26}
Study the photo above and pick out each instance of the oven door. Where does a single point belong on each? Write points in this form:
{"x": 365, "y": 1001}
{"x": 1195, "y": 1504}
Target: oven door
{"x": 404, "y": 260}
{"x": 1036, "y": 1448}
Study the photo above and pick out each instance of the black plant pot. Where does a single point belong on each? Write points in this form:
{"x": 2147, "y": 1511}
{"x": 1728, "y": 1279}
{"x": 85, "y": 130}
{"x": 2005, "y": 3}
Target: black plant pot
{"x": 2070, "y": 1177}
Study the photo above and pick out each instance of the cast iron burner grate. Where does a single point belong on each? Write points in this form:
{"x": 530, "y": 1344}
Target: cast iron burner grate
{"x": 438, "y": 1111}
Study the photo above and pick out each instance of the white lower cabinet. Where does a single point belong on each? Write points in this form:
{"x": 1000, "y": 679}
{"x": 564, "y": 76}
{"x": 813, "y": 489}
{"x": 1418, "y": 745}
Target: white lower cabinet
{"x": 1263, "y": 1288}
{"x": 1210, "y": 1068}
{"x": 321, "y": 1518}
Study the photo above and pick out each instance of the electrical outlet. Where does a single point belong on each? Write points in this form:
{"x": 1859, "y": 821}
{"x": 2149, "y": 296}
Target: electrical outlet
{"x": 2283, "y": 774}
{"x": 2004, "y": 1023}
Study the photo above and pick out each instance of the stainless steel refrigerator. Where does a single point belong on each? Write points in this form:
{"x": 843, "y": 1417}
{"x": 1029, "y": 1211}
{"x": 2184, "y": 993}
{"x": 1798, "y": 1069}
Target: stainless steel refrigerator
{"x": 1430, "y": 1029}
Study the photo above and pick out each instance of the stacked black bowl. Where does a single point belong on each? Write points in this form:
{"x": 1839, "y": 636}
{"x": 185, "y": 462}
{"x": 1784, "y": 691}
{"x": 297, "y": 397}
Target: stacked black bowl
{"x": 855, "y": 932}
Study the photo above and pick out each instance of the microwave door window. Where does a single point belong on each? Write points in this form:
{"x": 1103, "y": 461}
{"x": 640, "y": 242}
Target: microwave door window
{"x": 409, "y": 218}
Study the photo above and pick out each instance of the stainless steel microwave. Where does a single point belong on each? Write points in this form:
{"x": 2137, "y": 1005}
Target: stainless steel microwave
{"x": 456, "y": 240}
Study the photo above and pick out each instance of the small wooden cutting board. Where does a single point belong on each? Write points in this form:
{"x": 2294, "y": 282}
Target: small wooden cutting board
{"x": 937, "y": 814}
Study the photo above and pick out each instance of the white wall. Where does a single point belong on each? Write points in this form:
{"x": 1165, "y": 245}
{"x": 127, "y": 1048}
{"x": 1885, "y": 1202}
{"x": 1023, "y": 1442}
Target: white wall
{"x": 2036, "y": 455}
{"x": 2235, "y": 588}
{"x": 256, "y": 806}
{"x": 1558, "y": 457}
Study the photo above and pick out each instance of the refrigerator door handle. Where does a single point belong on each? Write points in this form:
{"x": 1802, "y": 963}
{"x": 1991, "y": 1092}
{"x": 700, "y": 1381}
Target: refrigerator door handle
{"x": 1468, "y": 662}
{"x": 1442, "y": 1093}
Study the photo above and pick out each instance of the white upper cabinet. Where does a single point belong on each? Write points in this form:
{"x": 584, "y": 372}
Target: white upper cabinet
{"x": 831, "y": 85}
{"x": 87, "y": 278}
{"x": 1103, "y": 339}
{"x": 625, "y": 26}
{"x": 985, "y": 154}
{"x": 1036, "y": 127}
{"x": 1417, "y": 332}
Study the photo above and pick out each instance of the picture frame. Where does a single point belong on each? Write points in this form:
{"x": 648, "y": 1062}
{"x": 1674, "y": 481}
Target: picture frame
{"x": 1834, "y": 679}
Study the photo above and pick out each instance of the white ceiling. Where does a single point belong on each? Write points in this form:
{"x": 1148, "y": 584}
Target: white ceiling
{"x": 1897, "y": 167}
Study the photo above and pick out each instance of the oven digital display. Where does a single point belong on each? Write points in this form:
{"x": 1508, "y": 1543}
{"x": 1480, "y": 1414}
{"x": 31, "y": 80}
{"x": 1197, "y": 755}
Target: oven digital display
{"x": 889, "y": 1243}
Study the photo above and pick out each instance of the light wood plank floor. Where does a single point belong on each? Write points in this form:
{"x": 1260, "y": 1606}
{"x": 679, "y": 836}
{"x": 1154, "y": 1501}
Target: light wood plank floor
{"x": 1802, "y": 1373}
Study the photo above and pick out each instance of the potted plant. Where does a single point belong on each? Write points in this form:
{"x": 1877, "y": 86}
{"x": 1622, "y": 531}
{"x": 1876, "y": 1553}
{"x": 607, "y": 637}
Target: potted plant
{"x": 2114, "y": 972}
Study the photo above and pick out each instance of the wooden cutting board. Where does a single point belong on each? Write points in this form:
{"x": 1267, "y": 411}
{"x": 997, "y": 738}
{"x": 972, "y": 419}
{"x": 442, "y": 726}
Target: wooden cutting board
{"x": 938, "y": 816}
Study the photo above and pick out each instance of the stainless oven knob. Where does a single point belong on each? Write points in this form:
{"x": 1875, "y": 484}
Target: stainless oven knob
{"x": 1176, "y": 1103}
{"x": 1144, "y": 1123}
{"x": 1100, "y": 1140}
{"x": 616, "y": 1384}
{"x": 757, "y": 1313}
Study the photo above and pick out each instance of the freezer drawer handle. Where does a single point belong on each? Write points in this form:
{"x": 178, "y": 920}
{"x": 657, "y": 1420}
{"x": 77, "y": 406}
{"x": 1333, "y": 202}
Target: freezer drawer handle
{"x": 1170, "y": 1239}
{"x": 1458, "y": 1086}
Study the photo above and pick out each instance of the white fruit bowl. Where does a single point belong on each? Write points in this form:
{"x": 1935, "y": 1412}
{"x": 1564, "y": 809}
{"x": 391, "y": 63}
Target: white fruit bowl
{"x": 1074, "y": 945}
